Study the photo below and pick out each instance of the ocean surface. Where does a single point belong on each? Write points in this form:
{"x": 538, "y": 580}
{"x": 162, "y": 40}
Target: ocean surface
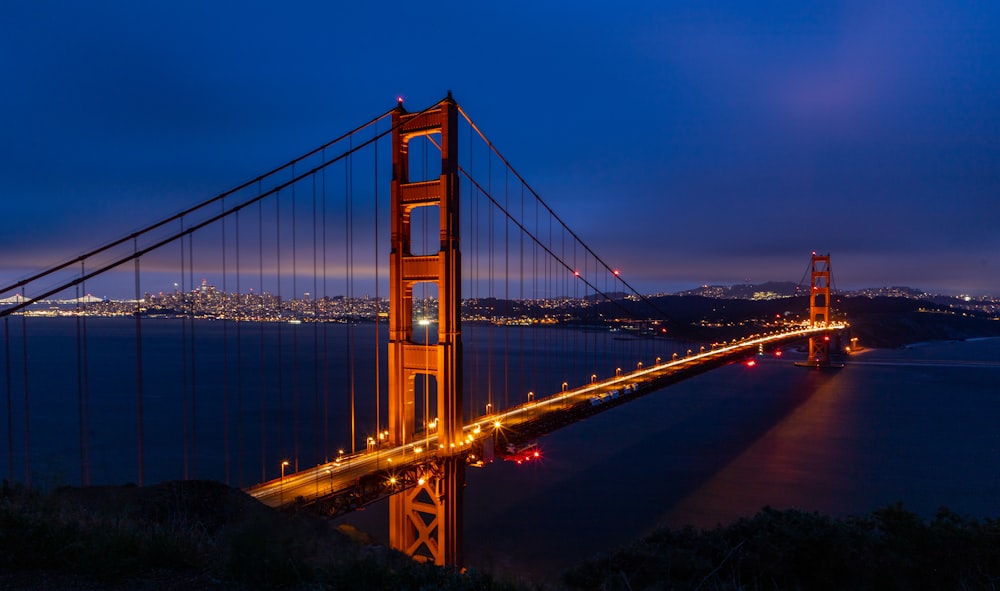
{"x": 915, "y": 425}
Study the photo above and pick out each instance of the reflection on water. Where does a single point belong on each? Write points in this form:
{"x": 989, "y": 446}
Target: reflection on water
{"x": 725, "y": 444}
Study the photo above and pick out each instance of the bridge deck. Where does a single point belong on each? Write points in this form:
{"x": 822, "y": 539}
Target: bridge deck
{"x": 353, "y": 481}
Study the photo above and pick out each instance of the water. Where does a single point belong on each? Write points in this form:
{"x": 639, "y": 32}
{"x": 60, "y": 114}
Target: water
{"x": 916, "y": 425}
{"x": 272, "y": 391}
{"x": 889, "y": 427}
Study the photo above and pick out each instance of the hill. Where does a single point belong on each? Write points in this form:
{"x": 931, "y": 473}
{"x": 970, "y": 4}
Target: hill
{"x": 205, "y": 535}
{"x": 192, "y": 535}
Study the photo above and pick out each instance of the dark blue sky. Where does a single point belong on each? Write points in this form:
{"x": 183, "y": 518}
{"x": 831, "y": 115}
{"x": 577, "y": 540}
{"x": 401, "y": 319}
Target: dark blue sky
{"x": 687, "y": 143}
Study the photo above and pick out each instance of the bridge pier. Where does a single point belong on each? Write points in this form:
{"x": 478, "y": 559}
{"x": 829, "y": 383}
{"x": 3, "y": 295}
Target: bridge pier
{"x": 426, "y": 519}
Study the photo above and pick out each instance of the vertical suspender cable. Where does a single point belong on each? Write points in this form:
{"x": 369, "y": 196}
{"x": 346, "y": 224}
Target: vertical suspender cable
{"x": 520, "y": 332}
{"x": 10, "y": 406}
{"x": 315, "y": 326}
{"x": 86, "y": 384}
{"x": 535, "y": 298}
{"x": 378, "y": 308}
{"x": 473, "y": 277}
{"x": 184, "y": 364}
{"x": 225, "y": 356}
{"x": 467, "y": 275}
{"x": 279, "y": 321}
{"x": 138, "y": 367}
{"x": 506, "y": 289}
{"x": 295, "y": 340}
{"x": 79, "y": 383}
{"x": 261, "y": 311}
{"x": 194, "y": 399}
{"x": 27, "y": 416}
{"x": 326, "y": 342}
{"x": 489, "y": 279}
{"x": 349, "y": 254}
{"x": 564, "y": 287}
{"x": 242, "y": 309}
{"x": 584, "y": 314}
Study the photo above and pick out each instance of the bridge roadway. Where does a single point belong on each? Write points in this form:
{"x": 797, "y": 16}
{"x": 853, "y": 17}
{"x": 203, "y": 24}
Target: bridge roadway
{"x": 352, "y": 481}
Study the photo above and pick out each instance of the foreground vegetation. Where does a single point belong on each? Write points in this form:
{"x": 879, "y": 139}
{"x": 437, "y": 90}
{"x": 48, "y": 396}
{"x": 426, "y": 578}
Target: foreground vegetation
{"x": 198, "y": 535}
{"x": 192, "y": 535}
{"x": 890, "y": 549}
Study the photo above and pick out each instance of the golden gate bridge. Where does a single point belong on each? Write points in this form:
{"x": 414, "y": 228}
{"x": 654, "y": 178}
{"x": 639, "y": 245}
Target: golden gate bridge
{"x": 287, "y": 361}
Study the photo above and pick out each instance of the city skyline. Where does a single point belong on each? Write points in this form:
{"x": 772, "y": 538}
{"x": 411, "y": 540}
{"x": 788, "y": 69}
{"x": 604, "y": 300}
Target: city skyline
{"x": 688, "y": 145}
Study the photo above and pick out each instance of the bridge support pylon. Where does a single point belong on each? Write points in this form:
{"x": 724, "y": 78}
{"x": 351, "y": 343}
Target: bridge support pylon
{"x": 819, "y": 312}
{"x": 425, "y": 521}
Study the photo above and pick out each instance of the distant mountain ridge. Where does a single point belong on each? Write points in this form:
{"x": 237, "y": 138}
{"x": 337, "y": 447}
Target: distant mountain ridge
{"x": 746, "y": 291}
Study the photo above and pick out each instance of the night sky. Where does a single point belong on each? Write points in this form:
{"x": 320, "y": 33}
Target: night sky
{"x": 687, "y": 142}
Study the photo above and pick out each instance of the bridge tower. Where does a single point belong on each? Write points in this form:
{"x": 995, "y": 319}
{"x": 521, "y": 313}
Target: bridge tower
{"x": 819, "y": 310}
{"x": 425, "y": 520}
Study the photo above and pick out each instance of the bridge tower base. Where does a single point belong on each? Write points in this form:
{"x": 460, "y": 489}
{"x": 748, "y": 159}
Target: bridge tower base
{"x": 425, "y": 520}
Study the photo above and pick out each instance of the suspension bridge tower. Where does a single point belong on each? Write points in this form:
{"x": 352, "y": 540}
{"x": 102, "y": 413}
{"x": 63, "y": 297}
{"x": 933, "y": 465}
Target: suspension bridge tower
{"x": 819, "y": 311}
{"x": 425, "y": 520}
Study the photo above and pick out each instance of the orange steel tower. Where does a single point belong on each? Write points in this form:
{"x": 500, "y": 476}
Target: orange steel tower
{"x": 819, "y": 309}
{"x": 425, "y": 521}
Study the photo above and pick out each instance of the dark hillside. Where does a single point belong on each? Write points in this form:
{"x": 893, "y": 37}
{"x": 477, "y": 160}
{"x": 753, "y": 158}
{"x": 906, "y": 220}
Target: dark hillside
{"x": 192, "y": 535}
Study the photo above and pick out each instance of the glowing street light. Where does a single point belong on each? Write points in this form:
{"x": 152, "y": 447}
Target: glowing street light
{"x": 281, "y": 482}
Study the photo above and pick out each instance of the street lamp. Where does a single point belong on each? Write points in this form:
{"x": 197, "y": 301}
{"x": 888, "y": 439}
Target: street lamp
{"x": 281, "y": 482}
